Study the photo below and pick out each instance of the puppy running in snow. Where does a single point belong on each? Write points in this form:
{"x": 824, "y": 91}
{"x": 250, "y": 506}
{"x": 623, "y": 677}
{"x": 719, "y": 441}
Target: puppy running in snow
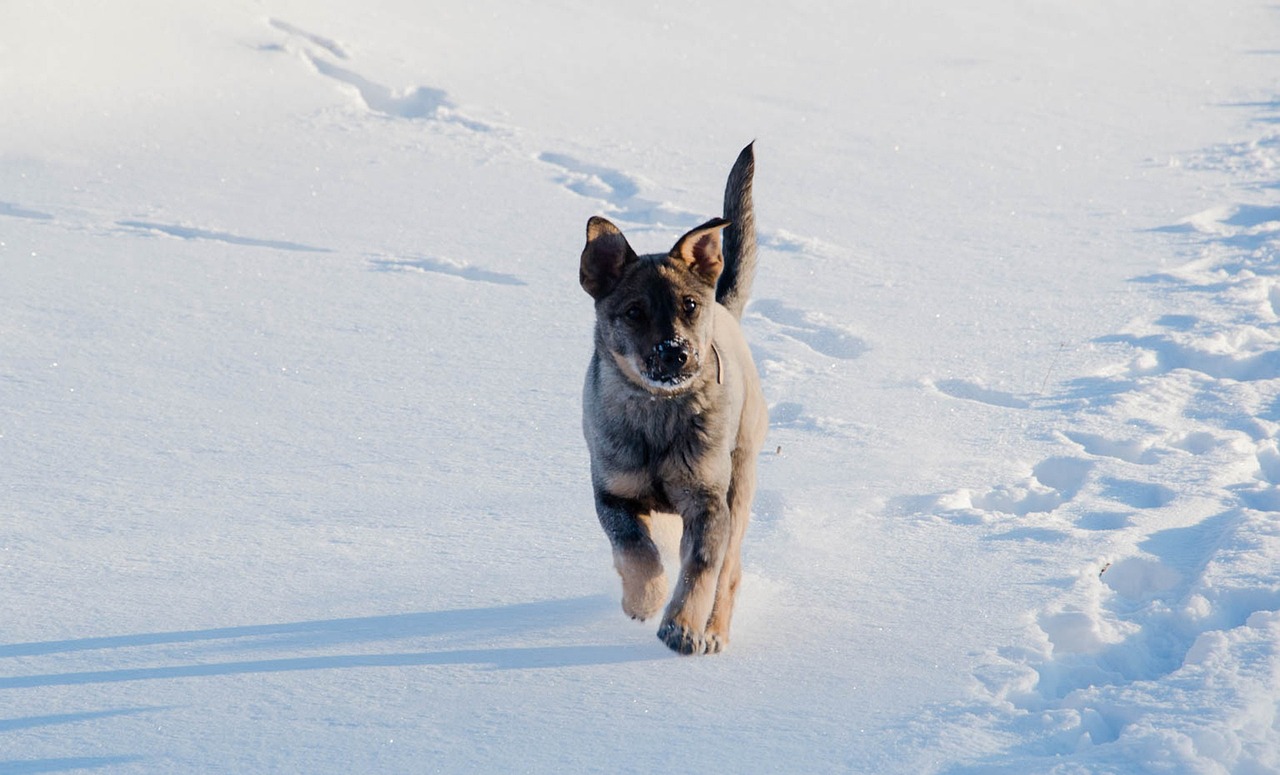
{"x": 673, "y": 413}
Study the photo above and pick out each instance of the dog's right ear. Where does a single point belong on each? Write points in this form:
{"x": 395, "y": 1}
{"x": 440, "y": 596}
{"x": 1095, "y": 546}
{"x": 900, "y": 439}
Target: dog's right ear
{"x": 607, "y": 253}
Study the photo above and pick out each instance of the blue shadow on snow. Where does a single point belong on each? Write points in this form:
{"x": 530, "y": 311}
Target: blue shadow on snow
{"x": 497, "y": 621}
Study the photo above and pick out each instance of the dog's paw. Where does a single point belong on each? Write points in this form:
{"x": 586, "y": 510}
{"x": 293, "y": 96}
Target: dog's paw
{"x": 642, "y": 610}
{"x": 642, "y": 598}
{"x": 644, "y": 589}
{"x": 683, "y": 640}
{"x": 717, "y": 642}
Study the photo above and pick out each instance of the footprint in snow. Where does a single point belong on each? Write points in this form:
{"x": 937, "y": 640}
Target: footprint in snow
{"x": 445, "y": 267}
{"x": 193, "y": 233}
{"x": 1244, "y": 354}
{"x": 1135, "y": 494}
{"x": 11, "y": 210}
{"x": 328, "y": 44}
{"x": 966, "y": 390}
{"x": 1263, "y": 494}
{"x": 418, "y": 102}
{"x": 811, "y": 329}
{"x": 619, "y": 191}
{"x": 1174, "y": 601}
{"x": 1137, "y": 451}
{"x": 1053, "y": 482}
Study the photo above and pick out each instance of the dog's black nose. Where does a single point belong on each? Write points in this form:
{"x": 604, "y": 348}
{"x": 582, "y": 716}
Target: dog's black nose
{"x": 673, "y": 354}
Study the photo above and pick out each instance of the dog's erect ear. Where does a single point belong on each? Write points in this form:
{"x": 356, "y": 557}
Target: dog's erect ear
{"x": 604, "y": 257}
{"x": 699, "y": 249}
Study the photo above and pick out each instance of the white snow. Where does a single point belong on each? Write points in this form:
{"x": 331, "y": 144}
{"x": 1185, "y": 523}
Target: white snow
{"x": 291, "y": 348}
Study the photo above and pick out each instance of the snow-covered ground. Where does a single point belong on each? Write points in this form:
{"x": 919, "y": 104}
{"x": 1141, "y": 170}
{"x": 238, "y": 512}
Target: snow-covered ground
{"x": 291, "y": 347}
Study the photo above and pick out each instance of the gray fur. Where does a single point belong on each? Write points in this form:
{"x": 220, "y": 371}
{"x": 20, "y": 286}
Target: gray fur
{"x": 739, "y": 236}
{"x": 673, "y": 413}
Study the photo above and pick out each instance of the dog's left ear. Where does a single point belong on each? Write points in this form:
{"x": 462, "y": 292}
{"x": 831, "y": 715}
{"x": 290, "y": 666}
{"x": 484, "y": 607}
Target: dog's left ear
{"x": 699, "y": 249}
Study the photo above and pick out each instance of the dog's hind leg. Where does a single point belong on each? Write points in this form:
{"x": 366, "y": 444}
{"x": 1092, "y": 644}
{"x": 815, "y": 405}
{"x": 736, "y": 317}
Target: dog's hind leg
{"x": 726, "y": 589}
{"x": 740, "y": 495}
{"x": 635, "y": 555}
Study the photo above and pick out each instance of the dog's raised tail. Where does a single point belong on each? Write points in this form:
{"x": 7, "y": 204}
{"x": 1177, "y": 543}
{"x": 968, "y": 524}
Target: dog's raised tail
{"x": 734, "y": 286}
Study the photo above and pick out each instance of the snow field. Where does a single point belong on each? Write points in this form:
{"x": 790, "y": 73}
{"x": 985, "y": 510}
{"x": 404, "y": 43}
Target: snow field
{"x": 290, "y": 471}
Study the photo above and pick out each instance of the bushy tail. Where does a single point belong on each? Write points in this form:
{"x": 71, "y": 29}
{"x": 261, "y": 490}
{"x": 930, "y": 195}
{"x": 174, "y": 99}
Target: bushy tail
{"x": 734, "y": 286}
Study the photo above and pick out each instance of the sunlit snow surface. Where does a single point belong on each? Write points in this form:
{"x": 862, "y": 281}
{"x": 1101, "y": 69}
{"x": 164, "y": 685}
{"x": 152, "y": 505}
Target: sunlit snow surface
{"x": 291, "y": 349}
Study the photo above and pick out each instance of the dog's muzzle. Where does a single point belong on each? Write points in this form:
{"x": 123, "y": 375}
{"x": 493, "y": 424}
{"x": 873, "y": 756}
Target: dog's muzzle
{"x": 667, "y": 362}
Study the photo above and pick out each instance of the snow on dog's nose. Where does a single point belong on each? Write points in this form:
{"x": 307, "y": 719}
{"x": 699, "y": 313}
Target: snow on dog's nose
{"x": 667, "y": 361}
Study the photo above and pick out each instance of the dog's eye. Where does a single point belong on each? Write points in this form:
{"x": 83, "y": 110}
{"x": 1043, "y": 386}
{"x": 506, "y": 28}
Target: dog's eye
{"x": 634, "y": 313}
{"x": 690, "y": 305}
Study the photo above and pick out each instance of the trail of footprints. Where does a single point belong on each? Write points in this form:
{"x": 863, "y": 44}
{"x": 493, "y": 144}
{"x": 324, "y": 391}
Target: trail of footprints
{"x": 784, "y": 333}
{"x": 1197, "y": 406}
{"x": 619, "y": 194}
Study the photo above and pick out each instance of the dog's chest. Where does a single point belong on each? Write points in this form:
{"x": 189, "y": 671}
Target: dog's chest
{"x": 655, "y": 446}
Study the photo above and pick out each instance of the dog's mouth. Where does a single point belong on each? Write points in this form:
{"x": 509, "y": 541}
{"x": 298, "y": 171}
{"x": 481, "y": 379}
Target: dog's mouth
{"x": 671, "y": 367}
{"x": 667, "y": 381}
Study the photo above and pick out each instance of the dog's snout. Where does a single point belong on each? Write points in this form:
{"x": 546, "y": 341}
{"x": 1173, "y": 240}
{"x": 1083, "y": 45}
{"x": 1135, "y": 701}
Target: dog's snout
{"x": 673, "y": 353}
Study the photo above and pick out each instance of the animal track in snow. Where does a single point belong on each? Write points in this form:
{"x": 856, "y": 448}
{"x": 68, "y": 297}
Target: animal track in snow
{"x": 1263, "y": 494}
{"x": 620, "y": 194}
{"x": 1141, "y": 615}
{"x": 445, "y": 267}
{"x": 973, "y": 391}
{"x": 1183, "y": 576}
{"x": 618, "y": 190}
{"x": 1197, "y": 442}
{"x": 1245, "y": 226}
{"x": 193, "y": 233}
{"x": 15, "y": 211}
{"x": 1052, "y": 483}
{"x": 783, "y": 240}
{"x": 332, "y": 46}
{"x": 1138, "y": 495}
{"x": 1268, "y": 457}
{"x": 1245, "y": 354}
{"x": 811, "y": 329}
{"x": 1129, "y": 450}
{"x": 418, "y": 102}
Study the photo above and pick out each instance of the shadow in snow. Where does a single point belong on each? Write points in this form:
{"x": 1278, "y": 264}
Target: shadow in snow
{"x": 518, "y": 658}
{"x": 24, "y": 767}
{"x": 498, "y": 621}
{"x": 29, "y": 722}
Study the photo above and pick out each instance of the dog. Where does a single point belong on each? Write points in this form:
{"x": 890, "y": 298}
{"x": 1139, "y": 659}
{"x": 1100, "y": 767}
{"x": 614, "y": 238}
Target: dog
{"x": 673, "y": 413}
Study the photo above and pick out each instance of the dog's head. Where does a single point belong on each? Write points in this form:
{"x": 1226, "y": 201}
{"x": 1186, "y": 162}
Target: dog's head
{"x": 654, "y": 312}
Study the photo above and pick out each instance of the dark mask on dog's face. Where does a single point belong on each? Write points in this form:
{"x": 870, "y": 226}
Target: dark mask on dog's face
{"x": 654, "y": 312}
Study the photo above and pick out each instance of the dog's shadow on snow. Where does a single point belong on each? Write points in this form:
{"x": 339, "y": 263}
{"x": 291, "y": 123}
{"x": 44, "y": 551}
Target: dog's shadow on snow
{"x": 458, "y": 637}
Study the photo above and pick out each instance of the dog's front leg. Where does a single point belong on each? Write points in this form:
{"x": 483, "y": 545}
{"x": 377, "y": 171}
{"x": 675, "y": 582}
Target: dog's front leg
{"x": 635, "y": 556}
{"x": 702, "y": 551}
